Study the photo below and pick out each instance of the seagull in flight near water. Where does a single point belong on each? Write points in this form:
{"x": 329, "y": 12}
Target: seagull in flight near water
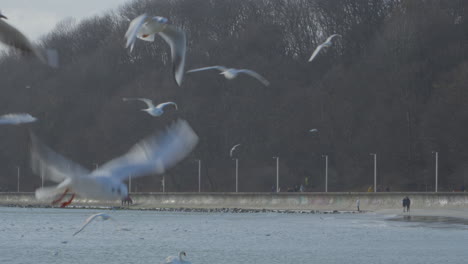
{"x": 152, "y": 110}
{"x": 103, "y": 216}
{"x": 153, "y": 155}
{"x": 12, "y": 37}
{"x": 145, "y": 28}
{"x": 231, "y": 73}
{"x": 326, "y": 44}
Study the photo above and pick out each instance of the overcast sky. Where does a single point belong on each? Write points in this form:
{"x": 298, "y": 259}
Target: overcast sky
{"x": 37, "y": 17}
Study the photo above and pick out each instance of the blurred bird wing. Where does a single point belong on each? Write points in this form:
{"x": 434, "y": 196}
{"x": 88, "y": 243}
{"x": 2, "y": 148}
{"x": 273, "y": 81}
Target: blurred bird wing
{"x": 16, "y": 118}
{"x": 91, "y": 218}
{"x": 52, "y": 166}
{"x": 220, "y": 68}
{"x": 133, "y": 29}
{"x": 332, "y": 36}
{"x": 48, "y": 193}
{"x": 148, "y": 102}
{"x": 155, "y": 154}
{"x": 256, "y": 76}
{"x": 176, "y": 39}
{"x": 162, "y": 105}
{"x": 316, "y": 51}
{"x": 14, "y": 38}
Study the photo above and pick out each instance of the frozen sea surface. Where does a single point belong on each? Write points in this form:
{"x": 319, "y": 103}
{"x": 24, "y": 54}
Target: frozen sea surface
{"x": 37, "y": 235}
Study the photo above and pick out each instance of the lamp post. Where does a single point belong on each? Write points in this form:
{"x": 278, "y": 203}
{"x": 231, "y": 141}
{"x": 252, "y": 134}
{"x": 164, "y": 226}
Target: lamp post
{"x": 237, "y": 174}
{"x": 326, "y": 172}
{"x": 237, "y": 165}
{"x": 163, "y": 182}
{"x": 199, "y": 175}
{"x": 277, "y": 173}
{"x": 375, "y": 171}
{"x": 18, "y": 184}
{"x": 436, "y": 169}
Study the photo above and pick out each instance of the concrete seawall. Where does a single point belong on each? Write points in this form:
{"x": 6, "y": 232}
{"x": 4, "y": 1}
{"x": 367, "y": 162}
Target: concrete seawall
{"x": 271, "y": 201}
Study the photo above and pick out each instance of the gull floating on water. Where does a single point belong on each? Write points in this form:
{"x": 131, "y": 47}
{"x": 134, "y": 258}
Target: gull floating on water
{"x": 153, "y": 155}
{"x": 152, "y": 110}
{"x": 233, "y": 148}
{"x": 176, "y": 260}
{"x": 103, "y": 216}
{"x": 144, "y": 28}
{"x": 231, "y": 73}
{"x": 326, "y": 44}
{"x": 12, "y": 37}
{"x": 16, "y": 119}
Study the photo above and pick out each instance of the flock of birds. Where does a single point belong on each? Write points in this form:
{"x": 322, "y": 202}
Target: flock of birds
{"x": 153, "y": 155}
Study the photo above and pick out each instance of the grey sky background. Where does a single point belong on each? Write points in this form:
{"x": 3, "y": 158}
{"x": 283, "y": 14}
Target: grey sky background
{"x": 37, "y": 17}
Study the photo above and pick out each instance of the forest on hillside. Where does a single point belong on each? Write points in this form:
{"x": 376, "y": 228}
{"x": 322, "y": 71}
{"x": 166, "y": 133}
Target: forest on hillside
{"x": 394, "y": 84}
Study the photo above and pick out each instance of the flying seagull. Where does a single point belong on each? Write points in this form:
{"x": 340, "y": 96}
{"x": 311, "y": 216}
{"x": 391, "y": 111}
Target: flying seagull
{"x": 103, "y": 216}
{"x": 231, "y": 73}
{"x": 145, "y": 28}
{"x": 153, "y": 155}
{"x": 152, "y": 110}
{"x": 233, "y": 148}
{"x": 176, "y": 260}
{"x": 313, "y": 130}
{"x": 12, "y": 37}
{"x": 16, "y": 119}
{"x": 326, "y": 44}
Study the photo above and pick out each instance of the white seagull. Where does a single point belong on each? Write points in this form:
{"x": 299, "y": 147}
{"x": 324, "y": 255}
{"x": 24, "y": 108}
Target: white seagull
{"x": 12, "y": 37}
{"x": 153, "y": 155}
{"x": 313, "y": 130}
{"x": 103, "y": 216}
{"x": 16, "y": 119}
{"x": 326, "y": 44}
{"x": 231, "y": 73}
{"x": 152, "y": 110}
{"x": 144, "y": 28}
{"x": 176, "y": 260}
{"x": 233, "y": 148}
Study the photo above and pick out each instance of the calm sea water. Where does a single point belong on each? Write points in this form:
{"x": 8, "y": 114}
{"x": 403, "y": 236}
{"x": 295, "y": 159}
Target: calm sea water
{"x": 35, "y": 235}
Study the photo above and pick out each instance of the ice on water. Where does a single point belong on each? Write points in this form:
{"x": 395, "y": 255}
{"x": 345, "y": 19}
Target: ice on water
{"x": 37, "y": 235}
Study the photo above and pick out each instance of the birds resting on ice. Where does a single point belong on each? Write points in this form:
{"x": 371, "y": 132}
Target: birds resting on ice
{"x": 153, "y": 155}
{"x": 176, "y": 260}
{"x": 152, "y": 110}
{"x": 325, "y": 44}
{"x": 232, "y": 149}
{"x": 231, "y": 73}
{"x": 12, "y": 37}
{"x": 16, "y": 119}
{"x": 145, "y": 28}
{"x": 103, "y": 216}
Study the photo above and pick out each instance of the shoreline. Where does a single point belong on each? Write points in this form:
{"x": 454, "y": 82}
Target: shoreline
{"x": 389, "y": 213}
{"x": 385, "y": 204}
